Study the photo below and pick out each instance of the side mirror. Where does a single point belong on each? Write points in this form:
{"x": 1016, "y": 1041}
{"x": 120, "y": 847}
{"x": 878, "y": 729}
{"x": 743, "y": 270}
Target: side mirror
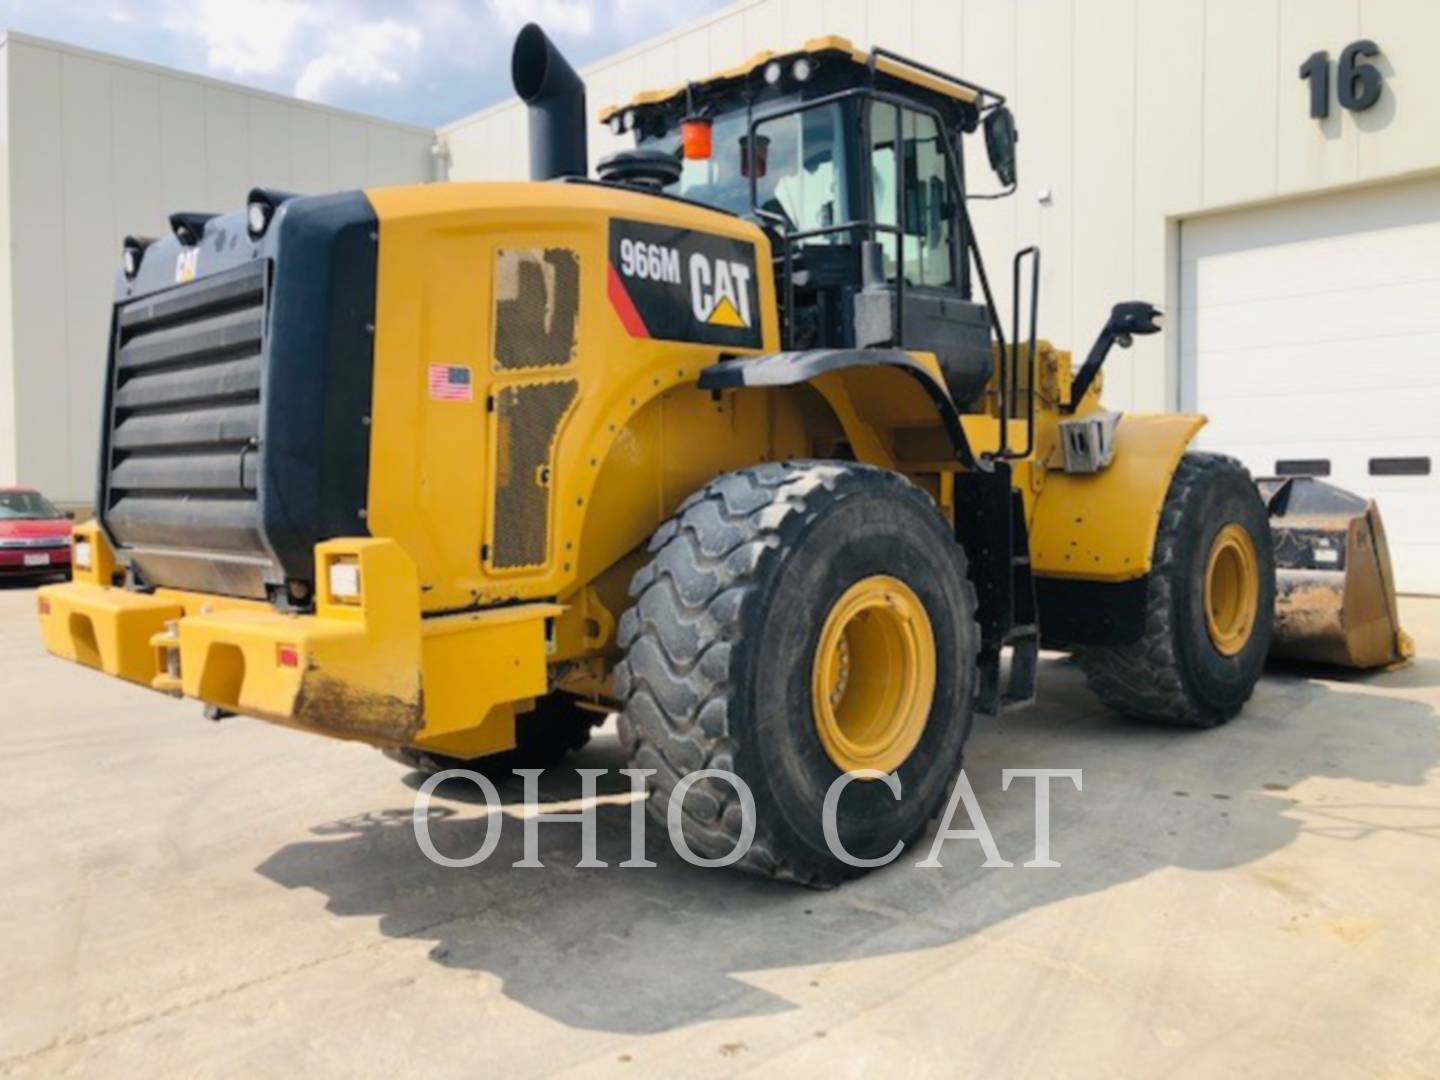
{"x": 1132, "y": 317}
{"x": 1000, "y": 139}
{"x": 1127, "y": 319}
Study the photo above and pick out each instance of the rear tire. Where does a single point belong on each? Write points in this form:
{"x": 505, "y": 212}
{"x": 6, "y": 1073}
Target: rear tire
{"x": 1187, "y": 670}
{"x": 557, "y": 727}
{"x": 720, "y": 667}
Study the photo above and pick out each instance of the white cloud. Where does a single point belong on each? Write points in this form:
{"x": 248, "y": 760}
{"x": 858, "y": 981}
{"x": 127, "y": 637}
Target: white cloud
{"x": 575, "y": 17}
{"x": 426, "y": 61}
{"x": 362, "y": 55}
{"x": 252, "y": 38}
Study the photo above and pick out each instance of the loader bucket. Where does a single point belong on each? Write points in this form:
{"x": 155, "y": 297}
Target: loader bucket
{"x": 1335, "y": 591}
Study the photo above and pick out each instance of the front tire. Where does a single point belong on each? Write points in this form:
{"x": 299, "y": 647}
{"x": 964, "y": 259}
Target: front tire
{"x": 799, "y": 620}
{"x": 1210, "y": 604}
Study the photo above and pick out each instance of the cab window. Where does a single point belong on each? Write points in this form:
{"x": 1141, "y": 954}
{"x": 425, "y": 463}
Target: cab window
{"x": 799, "y": 169}
{"x": 929, "y": 209}
{"x": 720, "y": 179}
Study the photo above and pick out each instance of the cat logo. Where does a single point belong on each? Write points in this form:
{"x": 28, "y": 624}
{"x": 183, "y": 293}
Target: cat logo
{"x": 720, "y": 291}
{"x": 670, "y": 283}
{"x": 186, "y": 264}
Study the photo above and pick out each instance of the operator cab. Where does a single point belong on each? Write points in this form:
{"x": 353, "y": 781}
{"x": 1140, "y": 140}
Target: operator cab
{"x": 852, "y": 163}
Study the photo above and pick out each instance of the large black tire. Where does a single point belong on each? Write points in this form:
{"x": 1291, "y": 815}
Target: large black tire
{"x": 720, "y": 644}
{"x": 1175, "y": 674}
{"x": 557, "y": 727}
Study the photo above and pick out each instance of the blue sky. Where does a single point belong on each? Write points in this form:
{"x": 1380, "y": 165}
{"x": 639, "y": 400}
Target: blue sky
{"x": 422, "y": 61}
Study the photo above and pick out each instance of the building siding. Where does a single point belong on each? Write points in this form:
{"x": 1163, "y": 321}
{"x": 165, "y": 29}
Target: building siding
{"x": 1133, "y": 115}
{"x": 97, "y": 148}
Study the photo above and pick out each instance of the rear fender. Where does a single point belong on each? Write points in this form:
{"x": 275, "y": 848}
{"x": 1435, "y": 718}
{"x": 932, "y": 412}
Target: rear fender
{"x": 861, "y": 415}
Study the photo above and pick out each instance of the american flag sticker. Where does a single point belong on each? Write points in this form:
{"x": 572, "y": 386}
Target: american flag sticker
{"x": 451, "y": 382}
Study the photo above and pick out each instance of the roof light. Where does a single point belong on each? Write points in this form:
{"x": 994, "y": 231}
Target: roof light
{"x": 773, "y": 71}
{"x": 802, "y": 69}
{"x": 695, "y": 138}
{"x": 629, "y": 118}
{"x": 616, "y": 123}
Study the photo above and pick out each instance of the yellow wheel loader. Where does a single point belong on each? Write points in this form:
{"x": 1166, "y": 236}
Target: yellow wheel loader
{"x": 731, "y": 439}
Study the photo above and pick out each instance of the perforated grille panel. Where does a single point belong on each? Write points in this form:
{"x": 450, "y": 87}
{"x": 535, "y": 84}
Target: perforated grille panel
{"x": 184, "y": 446}
{"x": 537, "y": 301}
{"x": 528, "y": 418}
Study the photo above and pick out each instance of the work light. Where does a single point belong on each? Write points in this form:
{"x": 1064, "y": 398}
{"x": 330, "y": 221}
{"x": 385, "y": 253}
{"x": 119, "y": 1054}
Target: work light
{"x": 257, "y": 218}
{"x": 134, "y": 254}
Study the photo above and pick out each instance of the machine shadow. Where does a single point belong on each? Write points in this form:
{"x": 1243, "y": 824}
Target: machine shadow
{"x": 21, "y": 583}
{"x": 600, "y": 948}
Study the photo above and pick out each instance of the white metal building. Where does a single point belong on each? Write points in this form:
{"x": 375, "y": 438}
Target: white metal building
{"x": 92, "y": 148}
{"x": 1168, "y": 153}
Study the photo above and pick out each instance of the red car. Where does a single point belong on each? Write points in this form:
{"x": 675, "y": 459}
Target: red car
{"x": 34, "y": 536}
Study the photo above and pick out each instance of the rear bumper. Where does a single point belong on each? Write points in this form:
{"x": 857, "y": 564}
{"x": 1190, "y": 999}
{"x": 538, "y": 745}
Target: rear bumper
{"x": 15, "y": 561}
{"x": 372, "y": 670}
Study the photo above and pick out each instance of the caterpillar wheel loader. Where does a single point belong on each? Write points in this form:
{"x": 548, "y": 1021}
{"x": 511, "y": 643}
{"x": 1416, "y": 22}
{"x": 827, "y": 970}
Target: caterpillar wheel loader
{"x": 731, "y": 439}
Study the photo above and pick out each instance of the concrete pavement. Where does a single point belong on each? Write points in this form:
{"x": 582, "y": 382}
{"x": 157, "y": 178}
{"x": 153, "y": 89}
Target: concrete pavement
{"x": 225, "y": 899}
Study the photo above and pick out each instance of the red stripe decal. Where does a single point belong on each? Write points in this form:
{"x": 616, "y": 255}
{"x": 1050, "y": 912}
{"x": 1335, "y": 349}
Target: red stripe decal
{"x": 624, "y": 306}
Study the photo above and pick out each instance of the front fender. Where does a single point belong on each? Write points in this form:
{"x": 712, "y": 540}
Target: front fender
{"x": 1101, "y": 526}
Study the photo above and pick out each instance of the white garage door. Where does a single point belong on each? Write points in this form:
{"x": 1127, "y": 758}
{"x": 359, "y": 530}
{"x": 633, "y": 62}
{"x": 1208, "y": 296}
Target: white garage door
{"x": 1310, "y": 335}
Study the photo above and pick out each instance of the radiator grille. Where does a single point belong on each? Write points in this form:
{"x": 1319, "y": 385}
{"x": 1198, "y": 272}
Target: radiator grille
{"x": 528, "y": 417}
{"x": 184, "y": 441}
{"x": 537, "y": 302}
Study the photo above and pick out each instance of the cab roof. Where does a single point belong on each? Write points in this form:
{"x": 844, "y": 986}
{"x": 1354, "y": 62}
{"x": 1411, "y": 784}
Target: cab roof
{"x": 831, "y": 45}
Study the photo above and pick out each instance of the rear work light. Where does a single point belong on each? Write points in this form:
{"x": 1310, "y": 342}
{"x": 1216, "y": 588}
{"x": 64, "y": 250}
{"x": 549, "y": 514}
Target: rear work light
{"x": 345, "y": 581}
{"x": 84, "y": 556}
{"x": 261, "y": 206}
{"x": 133, "y": 254}
{"x": 258, "y": 217}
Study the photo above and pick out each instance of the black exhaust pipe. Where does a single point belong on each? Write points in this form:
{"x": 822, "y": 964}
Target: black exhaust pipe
{"x": 548, "y": 84}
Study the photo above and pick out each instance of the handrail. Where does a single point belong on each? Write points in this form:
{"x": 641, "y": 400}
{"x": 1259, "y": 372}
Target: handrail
{"x": 1014, "y": 373}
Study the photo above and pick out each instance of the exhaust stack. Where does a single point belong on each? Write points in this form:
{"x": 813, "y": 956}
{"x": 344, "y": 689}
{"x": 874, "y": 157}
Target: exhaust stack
{"x": 548, "y": 84}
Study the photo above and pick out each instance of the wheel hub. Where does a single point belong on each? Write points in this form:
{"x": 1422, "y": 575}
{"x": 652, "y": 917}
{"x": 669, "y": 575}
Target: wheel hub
{"x": 873, "y": 679}
{"x": 1232, "y": 589}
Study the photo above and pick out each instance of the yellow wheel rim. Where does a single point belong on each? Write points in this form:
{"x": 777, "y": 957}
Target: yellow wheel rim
{"x": 1232, "y": 589}
{"x": 873, "y": 681}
